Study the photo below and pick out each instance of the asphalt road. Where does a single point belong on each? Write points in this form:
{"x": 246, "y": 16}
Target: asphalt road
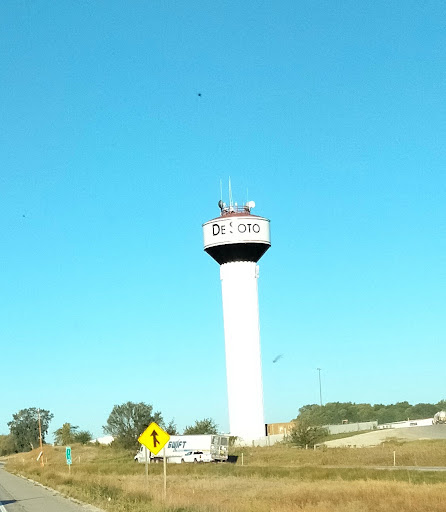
{"x": 377, "y": 437}
{"x": 21, "y": 495}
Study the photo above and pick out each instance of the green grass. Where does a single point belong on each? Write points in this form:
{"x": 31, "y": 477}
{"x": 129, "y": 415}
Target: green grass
{"x": 332, "y": 437}
{"x": 416, "y": 453}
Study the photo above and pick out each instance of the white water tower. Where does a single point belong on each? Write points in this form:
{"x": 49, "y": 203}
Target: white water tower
{"x": 237, "y": 240}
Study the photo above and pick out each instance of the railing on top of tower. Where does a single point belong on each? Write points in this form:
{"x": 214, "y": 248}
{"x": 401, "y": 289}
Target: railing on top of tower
{"x": 235, "y": 209}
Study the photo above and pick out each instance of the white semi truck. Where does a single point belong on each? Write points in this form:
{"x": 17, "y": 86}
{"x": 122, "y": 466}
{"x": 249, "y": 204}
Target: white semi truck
{"x": 193, "y": 448}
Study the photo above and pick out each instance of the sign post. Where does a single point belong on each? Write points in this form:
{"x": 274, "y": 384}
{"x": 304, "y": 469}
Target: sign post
{"x": 68, "y": 456}
{"x": 146, "y": 464}
{"x": 154, "y": 438}
{"x": 165, "y": 472}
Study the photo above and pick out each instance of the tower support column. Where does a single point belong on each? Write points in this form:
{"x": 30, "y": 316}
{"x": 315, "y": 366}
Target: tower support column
{"x": 242, "y": 347}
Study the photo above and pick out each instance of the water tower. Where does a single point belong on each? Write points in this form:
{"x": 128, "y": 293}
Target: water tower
{"x": 237, "y": 240}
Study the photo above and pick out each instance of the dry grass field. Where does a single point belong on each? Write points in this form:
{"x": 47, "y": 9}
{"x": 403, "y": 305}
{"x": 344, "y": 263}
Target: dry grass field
{"x": 278, "y": 478}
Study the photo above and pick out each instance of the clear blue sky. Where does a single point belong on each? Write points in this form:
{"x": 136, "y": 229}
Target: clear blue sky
{"x": 330, "y": 115}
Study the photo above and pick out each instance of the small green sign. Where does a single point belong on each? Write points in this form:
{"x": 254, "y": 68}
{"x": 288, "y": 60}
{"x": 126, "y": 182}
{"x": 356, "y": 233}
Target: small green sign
{"x": 68, "y": 454}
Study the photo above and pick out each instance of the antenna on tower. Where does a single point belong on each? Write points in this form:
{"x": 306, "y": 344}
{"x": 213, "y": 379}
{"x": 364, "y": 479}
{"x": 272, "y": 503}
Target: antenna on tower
{"x": 230, "y": 193}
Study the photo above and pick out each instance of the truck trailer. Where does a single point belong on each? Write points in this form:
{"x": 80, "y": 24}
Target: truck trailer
{"x": 190, "y": 448}
{"x": 439, "y": 418}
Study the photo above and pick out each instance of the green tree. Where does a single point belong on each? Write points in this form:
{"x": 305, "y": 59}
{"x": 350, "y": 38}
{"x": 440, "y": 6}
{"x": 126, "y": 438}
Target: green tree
{"x": 83, "y": 437}
{"x": 441, "y": 405}
{"x": 333, "y": 413}
{"x": 24, "y": 428}
{"x": 65, "y": 434}
{"x": 128, "y": 421}
{"x": 7, "y": 445}
{"x": 384, "y": 414}
{"x": 304, "y": 434}
{"x": 420, "y": 411}
{"x": 171, "y": 428}
{"x": 205, "y": 426}
{"x": 314, "y": 414}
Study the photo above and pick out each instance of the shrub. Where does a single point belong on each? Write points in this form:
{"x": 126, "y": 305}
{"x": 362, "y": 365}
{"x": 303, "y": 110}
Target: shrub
{"x": 304, "y": 434}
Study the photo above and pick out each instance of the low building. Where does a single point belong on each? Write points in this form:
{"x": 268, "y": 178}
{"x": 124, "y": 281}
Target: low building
{"x": 279, "y": 428}
{"x": 409, "y": 423}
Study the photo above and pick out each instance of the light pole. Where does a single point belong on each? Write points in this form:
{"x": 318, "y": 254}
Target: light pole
{"x": 320, "y": 385}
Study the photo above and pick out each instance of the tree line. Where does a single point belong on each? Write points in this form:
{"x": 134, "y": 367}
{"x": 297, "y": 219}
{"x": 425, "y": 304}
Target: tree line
{"x": 125, "y": 423}
{"x": 335, "y": 413}
{"x": 309, "y": 430}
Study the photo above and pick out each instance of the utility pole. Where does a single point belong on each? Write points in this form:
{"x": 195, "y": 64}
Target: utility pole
{"x": 320, "y": 385}
{"x": 40, "y": 438}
